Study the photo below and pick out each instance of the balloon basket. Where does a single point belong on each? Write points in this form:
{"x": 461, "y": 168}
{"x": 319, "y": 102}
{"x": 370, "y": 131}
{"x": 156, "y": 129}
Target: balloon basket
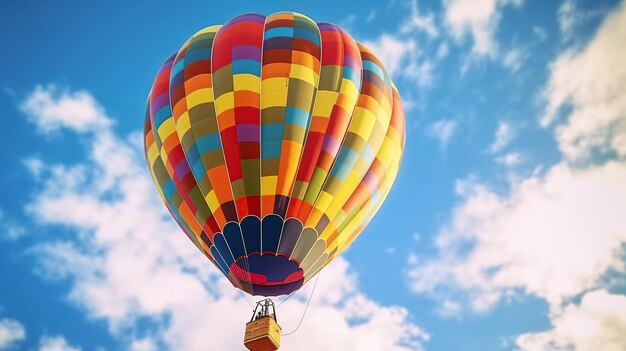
{"x": 263, "y": 331}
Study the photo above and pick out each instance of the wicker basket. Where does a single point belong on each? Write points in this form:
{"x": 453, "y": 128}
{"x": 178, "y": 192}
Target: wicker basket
{"x": 262, "y": 334}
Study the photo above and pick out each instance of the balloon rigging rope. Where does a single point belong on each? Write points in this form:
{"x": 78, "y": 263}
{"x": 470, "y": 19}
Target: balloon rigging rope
{"x": 285, "y": 300}
{"x": 305, "y": 309}
{"x": 245, "y": 299}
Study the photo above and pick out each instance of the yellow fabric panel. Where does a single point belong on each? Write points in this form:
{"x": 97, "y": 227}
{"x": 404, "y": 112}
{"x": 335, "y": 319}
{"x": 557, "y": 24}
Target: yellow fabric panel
{"x": 324, "y": 102}
{"x": 274, "y": 98}
{"x": 274, "y": 84}
{"x": 166, "y": 129}
{"x": 224, "y": 102}
{"x": 304, "y": 73}
{"x": 209, "y": 29}
{"x": 183, "y": 124}
{"x": 386, "y": 152}
{"x": 268, "y": 185}
{"x": 153, "y": 153}
{"x": 385, "y": 105}
{"x": 247, "y": 82}
{"x": 349, "y": 89}
{"x": 211, "y": 199}
{"x": 199, "y": 96}
{"x": 362, "y": 122}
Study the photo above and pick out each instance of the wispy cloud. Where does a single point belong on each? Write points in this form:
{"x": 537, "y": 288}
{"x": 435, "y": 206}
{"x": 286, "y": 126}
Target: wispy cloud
{"x": 503, "y": 136}
{"x": 478, "y": 20}
{"x": 55, "y": 343}
{"x": 11, "y": 333}
{"x": 514, "y": 59}
{"x": 442, "y": 130}
{"x": 569, "y": 17}
{"x": 402, "y": 59}
{"x": 540, "y": 33}
{"x": 392, "y": 51}
{"x": 128, "y": 261}
{"x": 598, "y": 322}
{"x": 10, "y": 229}
{"x": 510, "y": 159}
{"x": 416, "y": 21}
{"x": 595, "y": 101}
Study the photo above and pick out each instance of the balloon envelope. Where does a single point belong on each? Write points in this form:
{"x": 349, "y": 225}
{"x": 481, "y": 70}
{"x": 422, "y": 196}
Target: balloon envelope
{"x": 273, "y": 140}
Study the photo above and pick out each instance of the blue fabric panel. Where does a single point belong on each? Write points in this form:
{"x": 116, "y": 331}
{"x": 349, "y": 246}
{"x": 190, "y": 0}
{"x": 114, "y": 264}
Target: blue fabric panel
{"x": 169, "y": 189}
{"x": 296, "y": 116}
{"x": 220, "y": 262}
{"x": 278, "y": 32}
{"x": 246, "y": 66}
{"x": 208, "y": 143}
{"x": 308, "y": 35}
{"x": 161, "y": 115}
{"x": 251, "y": 230}
{"x": 192, "y": 155}
{"x": 198, "y": 169}
{"x": 232, "y": 233}
{"x": 197, "y": 55}
{"x": 271, "y": 148}
{"x": 372, "y": 67}
{"x": 220, "y": 243}
{"x": 272, "y": 227}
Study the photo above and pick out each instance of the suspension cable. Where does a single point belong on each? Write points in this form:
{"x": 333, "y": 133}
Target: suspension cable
{"x": 244, "y": 298}
{"x": 287, "y": 298}
{"x": 305, "y": 308}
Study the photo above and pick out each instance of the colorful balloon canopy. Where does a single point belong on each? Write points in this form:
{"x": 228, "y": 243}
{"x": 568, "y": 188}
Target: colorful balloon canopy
{"x": 273, "y": 141}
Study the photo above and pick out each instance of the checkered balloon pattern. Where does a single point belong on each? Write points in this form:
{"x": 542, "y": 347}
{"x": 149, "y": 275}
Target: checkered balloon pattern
{"x": 273, "y": 141}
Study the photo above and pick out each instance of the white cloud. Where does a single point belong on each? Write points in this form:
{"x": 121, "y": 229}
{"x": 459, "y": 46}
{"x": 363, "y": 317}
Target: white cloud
{"x": 514, "y": 59}
{"x": 510, "y": 159}
{"x": 391, "y": 51}
{"x": 590, "y": 83}
{"x": 442, "y": 130}
{"x": 11, "y": 333}
{"x": 569, "y": 16}
{"x": 55, "y": 343}
{"x": 402, "y": 59}
{"x": 540, "y": 33}
{"x": 9, "y": 228}
{"x": 371, "y": 16}
{"x": 146, "y": 344}
{"x": 417, "y": 21}
{"x": 51, "y": 109}
{"x": 442, "y": 50}
{"x": 553, "y": 236}
{"x": 477, "y": 19}
{"x": 449, "y": 308}
{"x": 597, "y": 323}
{"x": 504, "y": 135}
{"x": 421, "y": 73}
{"x": 129, "y": 261}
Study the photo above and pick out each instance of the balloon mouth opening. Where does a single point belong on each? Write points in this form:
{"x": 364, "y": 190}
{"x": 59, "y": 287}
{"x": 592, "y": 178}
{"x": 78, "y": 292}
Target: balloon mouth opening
{"x": 266, "y": 274}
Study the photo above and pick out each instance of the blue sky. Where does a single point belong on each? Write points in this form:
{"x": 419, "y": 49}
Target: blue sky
{"x": 504, "y": 229}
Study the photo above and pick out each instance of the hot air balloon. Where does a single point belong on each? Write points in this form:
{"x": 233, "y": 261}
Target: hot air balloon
{"x": 273, "y": 141}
